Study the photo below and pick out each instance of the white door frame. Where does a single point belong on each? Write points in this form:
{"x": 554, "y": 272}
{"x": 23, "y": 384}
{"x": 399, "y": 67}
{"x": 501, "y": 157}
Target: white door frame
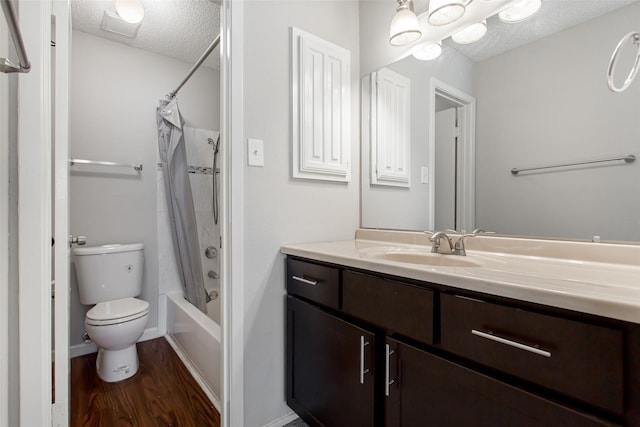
{"x": 34, "y": 216}
{"x": 61, "y": 252}
{"x": 466, "y": 185}
{"x": 4, "y": 238}
{"x": 232, "y": 225}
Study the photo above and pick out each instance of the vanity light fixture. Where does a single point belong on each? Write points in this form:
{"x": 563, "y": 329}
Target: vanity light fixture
{"x": 428, "y": 51}
{"x": 520, "y": 11}
{"x": 443, "y": 12}
{"x": 131, "y": 11}
{"x": 404, "y": 28}
{"x": 471, "y": 34}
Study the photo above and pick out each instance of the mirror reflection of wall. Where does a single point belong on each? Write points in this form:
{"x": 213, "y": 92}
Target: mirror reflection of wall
{"x": 543, "y": 103}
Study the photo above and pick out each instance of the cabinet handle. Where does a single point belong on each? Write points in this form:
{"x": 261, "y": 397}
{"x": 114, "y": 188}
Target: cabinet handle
{"x": 305, "y": 281}
{"x": 492, "y": 337}
{"x": 363, "y": 371}
{"x": 387, "y": 382}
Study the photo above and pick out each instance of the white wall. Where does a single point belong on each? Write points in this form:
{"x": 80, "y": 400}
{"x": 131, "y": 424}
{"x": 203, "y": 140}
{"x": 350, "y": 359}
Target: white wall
{"x": 548, "y": 103}
{"x": 279, "y": 209}
{"x": 114, "y": 93}
{"x": 407, "y": 208}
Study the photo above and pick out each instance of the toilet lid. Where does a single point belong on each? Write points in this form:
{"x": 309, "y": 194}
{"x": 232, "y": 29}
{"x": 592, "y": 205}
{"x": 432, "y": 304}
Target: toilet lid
{"x": 117, "y": 311}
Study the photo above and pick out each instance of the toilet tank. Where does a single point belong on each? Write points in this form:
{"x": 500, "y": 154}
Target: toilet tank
{"x": 109, "y": 272}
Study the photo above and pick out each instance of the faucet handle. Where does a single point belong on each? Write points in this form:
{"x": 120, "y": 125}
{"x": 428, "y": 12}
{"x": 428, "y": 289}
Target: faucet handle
{"x": 481, "y": 231}
{"x": 459, "y": 249}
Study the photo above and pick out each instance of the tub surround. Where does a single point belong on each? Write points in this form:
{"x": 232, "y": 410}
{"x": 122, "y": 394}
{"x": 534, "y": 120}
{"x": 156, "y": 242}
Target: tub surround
{"x": 594, "y": 278}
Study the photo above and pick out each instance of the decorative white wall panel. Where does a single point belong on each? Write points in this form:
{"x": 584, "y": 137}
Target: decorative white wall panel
{"x": 390, "y": 138}
{"x": 321, "y": 88}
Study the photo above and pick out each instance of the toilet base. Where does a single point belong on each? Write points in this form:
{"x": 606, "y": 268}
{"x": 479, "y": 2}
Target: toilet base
{"x": 117, "y": 365}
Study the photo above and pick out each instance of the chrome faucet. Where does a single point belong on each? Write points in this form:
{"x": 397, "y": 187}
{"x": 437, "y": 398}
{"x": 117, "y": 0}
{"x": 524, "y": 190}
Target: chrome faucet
{"x": 436, "y": 237}
{"x": 458, "y": 248}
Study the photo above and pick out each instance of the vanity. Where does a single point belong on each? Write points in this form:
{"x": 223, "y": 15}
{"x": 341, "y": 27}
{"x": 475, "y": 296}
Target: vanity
{"x": 381, "y": 332}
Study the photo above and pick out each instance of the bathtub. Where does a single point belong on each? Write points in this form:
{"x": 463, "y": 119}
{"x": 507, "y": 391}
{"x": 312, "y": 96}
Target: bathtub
{"x": 196, "y": 339}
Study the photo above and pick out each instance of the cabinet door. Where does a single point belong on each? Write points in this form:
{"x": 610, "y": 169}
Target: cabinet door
{"x": 330, "y": 368}
{"x": 426, "y": 390}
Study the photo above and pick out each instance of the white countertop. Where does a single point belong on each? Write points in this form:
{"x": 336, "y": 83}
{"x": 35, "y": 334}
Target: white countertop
{"x": 590, "y": 280}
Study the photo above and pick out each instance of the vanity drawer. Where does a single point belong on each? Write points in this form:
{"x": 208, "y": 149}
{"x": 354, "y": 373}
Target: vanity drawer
{"x": 315, "y": 282}
{"x": 580, "y": 360}
{"x": 396, "y": 307}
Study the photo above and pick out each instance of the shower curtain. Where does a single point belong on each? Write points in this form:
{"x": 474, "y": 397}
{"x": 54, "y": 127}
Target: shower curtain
{"x": 182, "y": 215}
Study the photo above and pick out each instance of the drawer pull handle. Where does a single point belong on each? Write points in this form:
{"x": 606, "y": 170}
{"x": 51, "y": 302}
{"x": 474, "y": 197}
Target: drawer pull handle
{"x": 387, "y": 382}
{"x": 363, "y": 371}
{"x": 492, "y": 337}
{"x": 305, "y": 281}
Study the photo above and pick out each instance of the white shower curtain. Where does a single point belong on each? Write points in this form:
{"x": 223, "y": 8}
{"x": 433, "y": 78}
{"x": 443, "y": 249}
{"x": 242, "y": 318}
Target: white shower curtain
{"x": 182, "y": 217}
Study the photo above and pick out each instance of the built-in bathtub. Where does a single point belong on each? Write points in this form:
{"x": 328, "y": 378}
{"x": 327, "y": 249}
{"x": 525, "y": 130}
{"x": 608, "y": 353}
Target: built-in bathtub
{"x": 196, "y": 339}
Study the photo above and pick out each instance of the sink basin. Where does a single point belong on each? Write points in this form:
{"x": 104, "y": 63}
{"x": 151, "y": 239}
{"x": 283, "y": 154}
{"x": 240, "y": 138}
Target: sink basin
{"x": 419, "y": 257}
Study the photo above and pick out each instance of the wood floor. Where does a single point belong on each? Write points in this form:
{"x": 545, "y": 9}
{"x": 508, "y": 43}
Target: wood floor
{"x": 162, "y": 393}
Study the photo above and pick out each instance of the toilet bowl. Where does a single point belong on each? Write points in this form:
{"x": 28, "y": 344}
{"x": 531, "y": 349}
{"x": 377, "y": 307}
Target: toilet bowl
{"x": 110, "y": 276}
{"x": 115, "y": 327}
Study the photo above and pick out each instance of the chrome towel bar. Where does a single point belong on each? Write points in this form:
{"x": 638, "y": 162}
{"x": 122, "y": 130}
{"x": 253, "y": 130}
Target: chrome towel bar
{"x": 627, "y": 159}
{"x": 136, "y": 166}
{"x": 6, "y": 66}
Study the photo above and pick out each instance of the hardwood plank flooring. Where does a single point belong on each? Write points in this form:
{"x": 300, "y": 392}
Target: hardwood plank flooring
{"x": 162, "y": 393}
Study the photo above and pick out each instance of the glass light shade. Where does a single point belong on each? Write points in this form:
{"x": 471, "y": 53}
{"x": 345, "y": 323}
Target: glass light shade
{"x": 520, "y": 11}
{"x": 404, "y": 28}
{"x": 443, "y": 12}
{"x": 471, "y": 34}
{"x": 428, "y": 51}
{"x": 131, "y": 11}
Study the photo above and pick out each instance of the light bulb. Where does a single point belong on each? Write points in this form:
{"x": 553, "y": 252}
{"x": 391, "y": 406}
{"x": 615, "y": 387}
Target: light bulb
{"x": 428, "y": 51}
{"x": 131, "y": 11}
{"x": 443, "y": 12}
{"x": 471, "y": 34}
{"x": 520, "y": 11}
{"x": 404, "y": 28}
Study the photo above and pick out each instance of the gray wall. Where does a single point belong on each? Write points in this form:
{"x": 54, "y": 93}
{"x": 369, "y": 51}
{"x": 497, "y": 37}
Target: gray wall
{"x": 407, "y": 208}
{"x": 375, "y": 49}
{"x": 114, "y": 93}
{"x": 548, "y": 102}
{"x": 279, "y": 209}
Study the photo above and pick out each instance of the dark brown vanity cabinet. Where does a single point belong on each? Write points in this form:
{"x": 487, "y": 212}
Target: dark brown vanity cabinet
{"x": 427, "y": 390}
{"x": 368, "y": 350}
{"x": 330, "y": 367}
{"x": 578, "y": 359}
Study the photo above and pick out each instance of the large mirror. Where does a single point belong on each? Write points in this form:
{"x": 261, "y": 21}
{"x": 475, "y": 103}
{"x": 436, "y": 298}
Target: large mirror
{"x": 528, "y": 95}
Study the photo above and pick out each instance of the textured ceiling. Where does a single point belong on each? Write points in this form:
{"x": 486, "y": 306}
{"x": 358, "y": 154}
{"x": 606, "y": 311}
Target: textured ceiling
{"x": 183, "y": 29}
{"x": 180, "y": 29}
{"x": 554, "y": 16}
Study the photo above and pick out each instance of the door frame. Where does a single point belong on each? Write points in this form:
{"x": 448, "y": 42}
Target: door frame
{"x": 4, "y": 238}
{"x": 61, "y": 252}
{"x": 232, "y": 225}
{"x": 466, "y": 105}
{"x": 34, "y": 213}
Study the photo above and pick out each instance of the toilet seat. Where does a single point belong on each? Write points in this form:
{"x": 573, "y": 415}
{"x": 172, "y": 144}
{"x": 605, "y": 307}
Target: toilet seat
{"x": 117, "y": 311}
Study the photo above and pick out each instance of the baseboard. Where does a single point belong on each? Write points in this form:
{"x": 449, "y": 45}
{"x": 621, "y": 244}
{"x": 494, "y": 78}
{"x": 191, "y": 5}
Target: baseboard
{"x": 149, "y": 334}
{"x": 89, "y": 347}
{"x": 282, "y": 421}
{"x": 194, "y": 372}
{"x": 82, "y": 349}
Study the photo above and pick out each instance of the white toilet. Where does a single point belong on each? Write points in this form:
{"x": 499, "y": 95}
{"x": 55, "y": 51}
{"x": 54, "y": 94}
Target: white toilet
{"x": 110, "y": 276}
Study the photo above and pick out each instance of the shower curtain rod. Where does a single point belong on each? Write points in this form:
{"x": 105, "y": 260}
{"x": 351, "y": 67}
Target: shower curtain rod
{"x": 197, "y": 65}
{"x": 7, "y": 66}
